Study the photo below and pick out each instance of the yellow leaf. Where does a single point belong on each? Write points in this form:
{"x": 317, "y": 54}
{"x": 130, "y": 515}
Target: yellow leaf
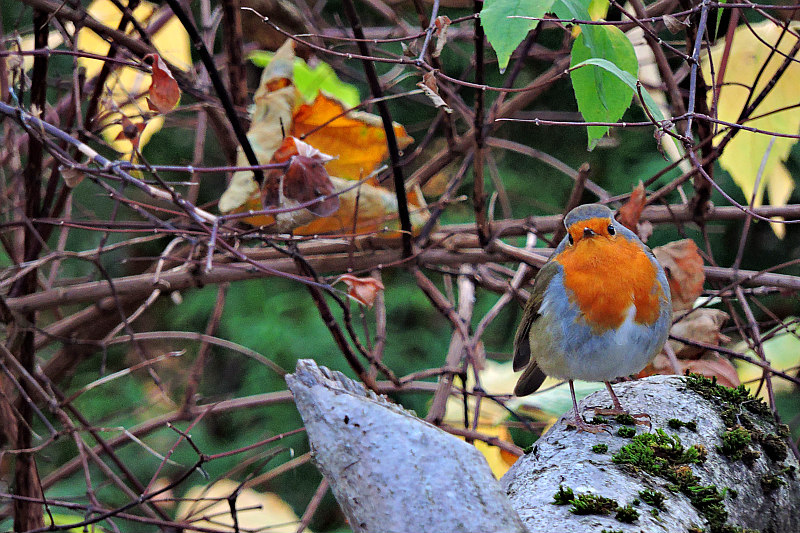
{"x": 744, "y": 154}
{"x": 779, "y": 187}
{"x": 782, "y": 352}
{"x": 256, "y": 511}
{"x": 127, "y": 86}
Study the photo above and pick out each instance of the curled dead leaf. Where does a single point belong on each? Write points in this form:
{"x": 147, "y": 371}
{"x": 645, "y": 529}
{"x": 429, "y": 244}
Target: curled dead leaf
{"x": 164, "y": 93}
{"x": 305, "y": 179}
{"x": 674, "y": 24}
{"x": 684, "y": 268}
{"x": 431, "y": 90}
{"x": 72, "y": 176}
{"x": 442, "y": 24}
{"x": 365, "y": 290}
{"x": 702, "y": 325}
{"x": 356, "y": 143}
{"x": 628, "y": 215}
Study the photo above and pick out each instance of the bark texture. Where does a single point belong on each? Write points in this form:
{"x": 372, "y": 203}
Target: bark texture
{"x": 767, "y": 490}
{"x": 389, "y": 470}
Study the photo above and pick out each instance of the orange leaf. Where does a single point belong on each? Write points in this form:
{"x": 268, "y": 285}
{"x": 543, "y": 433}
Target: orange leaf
{"x": 365, "y": 290}
{"x": 684, "y": 267}
{"x": 628, "y": 215}
{"x": 164, "y": 93}
{"x": 357, "y": 139}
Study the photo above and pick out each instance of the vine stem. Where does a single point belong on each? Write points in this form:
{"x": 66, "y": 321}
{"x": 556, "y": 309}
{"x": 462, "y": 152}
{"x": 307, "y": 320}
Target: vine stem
{"x": 386, "y": 118}
{"x": 219, "y": 88}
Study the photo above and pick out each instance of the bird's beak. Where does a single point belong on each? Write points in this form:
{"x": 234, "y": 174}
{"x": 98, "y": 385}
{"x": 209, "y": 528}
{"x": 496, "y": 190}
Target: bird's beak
{"x": 588, "y": 232}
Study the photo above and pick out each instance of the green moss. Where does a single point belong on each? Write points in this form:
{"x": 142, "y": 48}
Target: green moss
{"x": 626, "y": 419}
{"x": 665, "y": 456}
{"x": 734, "y": 443}
{"x": 676, "y": 424}
{"x": 589, "y": 503}
{"x": 627, "y": 514}
{"x": 600, "y": 448}
{"x": 775, "y": 447}
{"x": 598, "y": 420}
{"x": 626, "y": 432}
{"x": 710, "y": 390}
{"x": 654, "y": 512}
{"x": 658, "y": 452}
{"x": 564, "y": 496}
{"x": 653, "y": 497}
{"x": 611, "y": 531}
{"x": 771, "y": 483}
{"x": 738, "y": 398}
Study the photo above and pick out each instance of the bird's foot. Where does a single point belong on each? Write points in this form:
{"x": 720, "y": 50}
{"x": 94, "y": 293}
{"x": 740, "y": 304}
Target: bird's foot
{"x": 581, "y": 425}
{"x": 645, "y": 418}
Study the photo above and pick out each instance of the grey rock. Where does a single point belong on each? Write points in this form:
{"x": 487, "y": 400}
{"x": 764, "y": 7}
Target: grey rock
{"x": 391, "y": 471}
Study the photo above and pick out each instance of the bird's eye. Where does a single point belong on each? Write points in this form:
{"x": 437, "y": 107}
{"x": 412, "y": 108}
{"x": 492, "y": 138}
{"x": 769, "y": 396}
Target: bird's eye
{"x": 611, "y": 229}
{"x": 571, "y": 240}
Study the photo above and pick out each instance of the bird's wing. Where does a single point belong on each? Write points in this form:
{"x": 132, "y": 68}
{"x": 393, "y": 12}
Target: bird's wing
{"x": 522, "y": 345}
{"x": 532, "y": 378}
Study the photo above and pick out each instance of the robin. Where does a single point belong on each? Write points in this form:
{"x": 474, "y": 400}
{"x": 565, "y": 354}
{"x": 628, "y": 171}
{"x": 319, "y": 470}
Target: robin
{"x": 600, "y": 309}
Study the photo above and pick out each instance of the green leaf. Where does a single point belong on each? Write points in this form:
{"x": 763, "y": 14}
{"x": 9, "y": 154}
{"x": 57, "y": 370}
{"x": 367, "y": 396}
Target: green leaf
{"x": 309, "y": 81}
{"x": 578, "y": 10}
{"x": 602, "y": 93}
{"x": 505, "y": 34}
{"x": 629, "y": 80}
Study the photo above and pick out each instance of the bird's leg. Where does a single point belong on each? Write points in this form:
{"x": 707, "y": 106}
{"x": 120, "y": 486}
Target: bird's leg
{"x": 579, "y": 423}
{"x": 618, "y": 410}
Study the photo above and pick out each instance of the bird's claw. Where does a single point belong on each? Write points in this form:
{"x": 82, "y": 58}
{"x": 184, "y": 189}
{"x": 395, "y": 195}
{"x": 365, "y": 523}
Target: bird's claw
{"x": 580, "y": 424}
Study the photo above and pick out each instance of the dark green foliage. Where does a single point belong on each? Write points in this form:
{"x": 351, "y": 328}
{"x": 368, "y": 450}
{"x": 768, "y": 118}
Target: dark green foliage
{"x": 598, "y": 420}
{"x": 600, "y": 448}
{"x": 626, "y": 432}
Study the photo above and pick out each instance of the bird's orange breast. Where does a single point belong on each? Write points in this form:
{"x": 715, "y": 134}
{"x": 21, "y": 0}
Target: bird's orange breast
{"x": 604, "y": 275}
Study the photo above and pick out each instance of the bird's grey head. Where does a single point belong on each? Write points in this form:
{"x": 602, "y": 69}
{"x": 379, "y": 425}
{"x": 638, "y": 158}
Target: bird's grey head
{"x": 586, "y": 212}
